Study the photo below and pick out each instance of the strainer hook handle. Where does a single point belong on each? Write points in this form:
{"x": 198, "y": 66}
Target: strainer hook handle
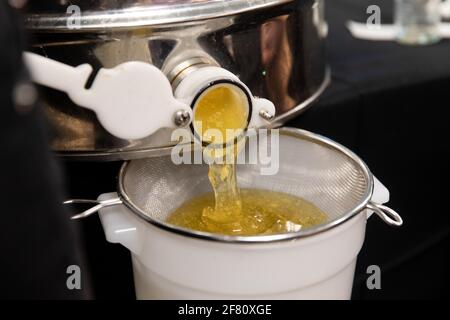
{"x": 99, "y": 204}
{"x": 386, "y": 214}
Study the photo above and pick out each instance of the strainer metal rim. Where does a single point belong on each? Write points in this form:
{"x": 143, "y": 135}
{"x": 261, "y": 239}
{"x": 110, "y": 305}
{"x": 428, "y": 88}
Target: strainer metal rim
{"x": 293, "y": 132}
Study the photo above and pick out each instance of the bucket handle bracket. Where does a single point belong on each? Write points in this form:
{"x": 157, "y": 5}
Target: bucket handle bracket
{"x": 99, "y": 204}
{"x": 386, "y": 214}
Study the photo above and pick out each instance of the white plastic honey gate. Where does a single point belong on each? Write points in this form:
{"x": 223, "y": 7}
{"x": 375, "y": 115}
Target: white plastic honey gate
{"x": 135, "y": 99}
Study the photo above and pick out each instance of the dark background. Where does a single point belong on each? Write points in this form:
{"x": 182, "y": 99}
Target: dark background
{"x": 388, "y": 103}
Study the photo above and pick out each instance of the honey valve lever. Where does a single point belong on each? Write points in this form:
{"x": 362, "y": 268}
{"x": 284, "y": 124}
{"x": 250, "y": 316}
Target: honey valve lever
{"x": 131, "y": 101}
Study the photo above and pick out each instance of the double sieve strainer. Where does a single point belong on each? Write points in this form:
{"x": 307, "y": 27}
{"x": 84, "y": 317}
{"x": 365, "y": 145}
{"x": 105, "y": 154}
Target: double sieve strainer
{"x": 309, "y": 166}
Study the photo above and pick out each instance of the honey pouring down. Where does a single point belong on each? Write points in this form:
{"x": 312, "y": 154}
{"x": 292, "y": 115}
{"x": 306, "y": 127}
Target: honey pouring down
{"x": 229, "y": 210}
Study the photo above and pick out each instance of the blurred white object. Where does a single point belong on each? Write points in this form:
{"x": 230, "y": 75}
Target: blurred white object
{"x": 363, "y": 31}
{"x": 445, "y": 9}
{"x": 417, "y": 21}
{"x": 385, "y": 32}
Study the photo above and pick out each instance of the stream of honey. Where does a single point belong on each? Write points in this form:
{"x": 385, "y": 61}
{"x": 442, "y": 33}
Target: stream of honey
{"x": 230, "y": 210}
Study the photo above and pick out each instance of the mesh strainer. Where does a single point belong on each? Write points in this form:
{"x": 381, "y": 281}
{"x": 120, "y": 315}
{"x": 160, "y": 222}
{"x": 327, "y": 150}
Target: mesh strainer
{"x": 310, "y": 166}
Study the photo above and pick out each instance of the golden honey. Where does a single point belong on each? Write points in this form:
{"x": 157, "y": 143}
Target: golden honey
{"x": 220, "y": 111}
{"x": 262, "y": 212}
{"x": 230, "y": 210}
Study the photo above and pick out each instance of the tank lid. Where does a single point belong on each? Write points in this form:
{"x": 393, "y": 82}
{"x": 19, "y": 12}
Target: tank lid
{"x": 82, "y": 15}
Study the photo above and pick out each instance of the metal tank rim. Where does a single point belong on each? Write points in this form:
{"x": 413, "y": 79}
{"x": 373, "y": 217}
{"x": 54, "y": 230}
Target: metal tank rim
{"x": 101, "y": 18}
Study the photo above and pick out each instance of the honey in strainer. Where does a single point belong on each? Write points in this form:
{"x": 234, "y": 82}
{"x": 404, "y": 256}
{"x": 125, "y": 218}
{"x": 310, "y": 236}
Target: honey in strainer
{"x": 230, "y": 210}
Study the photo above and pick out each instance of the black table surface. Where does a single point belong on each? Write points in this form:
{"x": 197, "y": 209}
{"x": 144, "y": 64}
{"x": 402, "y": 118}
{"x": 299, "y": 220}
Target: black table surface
{"x": 388, "y": 103}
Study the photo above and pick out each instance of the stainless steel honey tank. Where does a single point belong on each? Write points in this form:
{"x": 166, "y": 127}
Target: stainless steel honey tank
{"x": 275, "y": 47}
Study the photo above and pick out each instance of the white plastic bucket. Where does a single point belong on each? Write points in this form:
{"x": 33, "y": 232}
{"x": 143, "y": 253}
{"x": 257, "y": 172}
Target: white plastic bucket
{"x": 174, "y": 266}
